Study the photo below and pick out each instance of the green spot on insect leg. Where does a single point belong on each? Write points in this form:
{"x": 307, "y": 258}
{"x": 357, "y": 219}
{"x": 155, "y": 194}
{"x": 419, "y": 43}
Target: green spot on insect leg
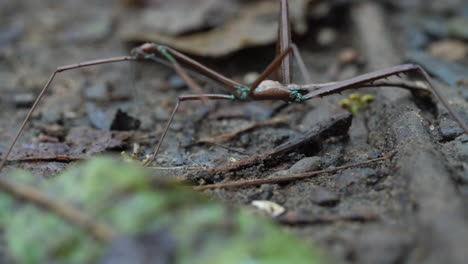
{"x": 165, "y": 53}
{"x": 296, "y": 95}
{"x": 149, "y": 56}
{"x": 244, "y": 92}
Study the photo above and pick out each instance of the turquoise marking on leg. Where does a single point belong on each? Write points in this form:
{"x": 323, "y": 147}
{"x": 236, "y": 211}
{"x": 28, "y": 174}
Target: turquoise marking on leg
{"x": 163, "y": 50}
{"x": 149, "y": 56}
{"x": 244, "y": 92}
{"x": 296, "y": 95}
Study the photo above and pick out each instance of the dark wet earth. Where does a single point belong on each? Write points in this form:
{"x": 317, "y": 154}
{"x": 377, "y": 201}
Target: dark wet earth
{"x": 411, "y": 209}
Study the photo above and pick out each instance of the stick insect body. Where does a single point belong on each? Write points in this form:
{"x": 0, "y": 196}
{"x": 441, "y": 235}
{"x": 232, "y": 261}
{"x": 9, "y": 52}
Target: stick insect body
{"x": 261, "y": 89}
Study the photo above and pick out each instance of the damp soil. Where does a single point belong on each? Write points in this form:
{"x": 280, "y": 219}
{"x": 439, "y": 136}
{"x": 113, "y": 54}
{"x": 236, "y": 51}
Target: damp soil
{"x": 411, "y": 209}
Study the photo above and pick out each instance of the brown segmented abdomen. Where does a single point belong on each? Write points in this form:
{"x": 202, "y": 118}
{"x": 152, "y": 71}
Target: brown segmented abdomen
{"x": 271, "y": 90}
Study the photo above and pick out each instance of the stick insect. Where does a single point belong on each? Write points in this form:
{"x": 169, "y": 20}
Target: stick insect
{"x": 261, "y": 89}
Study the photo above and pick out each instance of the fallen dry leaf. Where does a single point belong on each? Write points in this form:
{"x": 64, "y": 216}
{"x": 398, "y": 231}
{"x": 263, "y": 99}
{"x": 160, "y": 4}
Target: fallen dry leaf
{"x": 254, "y": 24}
{"x": 89, "y": 140}
{"x": 451, "y": 50}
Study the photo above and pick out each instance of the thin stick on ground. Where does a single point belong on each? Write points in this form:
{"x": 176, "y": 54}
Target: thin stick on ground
{"x": 225, "y": 137}
{"x": 58, "y": 158}
{"x": 295, "y": 219}
{"x": 334, "y": 127}
{"x": 289, "y": 178}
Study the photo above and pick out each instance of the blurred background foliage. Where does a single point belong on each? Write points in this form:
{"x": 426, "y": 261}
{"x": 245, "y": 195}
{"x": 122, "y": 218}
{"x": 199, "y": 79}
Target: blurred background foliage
{"x": 154, "y": 220}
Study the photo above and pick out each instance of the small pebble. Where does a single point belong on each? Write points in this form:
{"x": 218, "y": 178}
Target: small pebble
{"x": 306, "y": 165}
{"x": 326, "y": 36}
{"x": 350, "y": 179}
{"x": 97, "y": 92}
{"x": 449, "y": 49}
{"x": 449, "y": 129}
{"x": 348, "y": 55}
{"x": 250, "y": 77}
{"x": 458, "y": 28}
{"x": 54, "y": 130}
{"x": 176, "y": 82}
{"x": 23, "y": 99}
{"x": 324, "y": 197}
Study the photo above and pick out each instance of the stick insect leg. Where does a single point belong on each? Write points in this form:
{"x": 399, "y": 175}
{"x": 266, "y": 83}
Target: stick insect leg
{"x": 361, "y": 80}
{"x": 283, "y": 46}
{"x": 305, "y": 76}
{"x": 277, "y": 72}
{"x": 174, "y": 111}
{"x": 273, "y": 65}
{"x": 214, "y": 75}
{"x": 194, "y": 86}
{"x": 44, "y": 90}
{"x": 300, "y": 63}
{"x": 285, "y": 42}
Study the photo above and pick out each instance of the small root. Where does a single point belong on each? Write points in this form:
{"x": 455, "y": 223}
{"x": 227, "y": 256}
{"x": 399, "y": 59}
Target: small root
{"x": 289, "y": 178}
{"x": 223, "y": 138}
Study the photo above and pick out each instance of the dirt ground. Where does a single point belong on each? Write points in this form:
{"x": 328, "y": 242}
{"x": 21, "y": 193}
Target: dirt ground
{"x": 411, "y": 209}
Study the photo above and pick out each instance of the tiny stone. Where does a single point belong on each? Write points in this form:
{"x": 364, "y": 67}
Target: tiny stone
{"x": 160, "y": 113}
{"x": 176, "y": 82}
{"x": 458, "y": 28}
{"x": 449, "y": 129}
{"x": 54, "y": 130}
{"x": 348, "y": 55}
{"x": 326, "y": 37}
{"x": 250, "y": 77}
{"x": 324, "y": 197}
{"x": 349, "y": 179}
{"x": 97, "y": 91}
{"x": 451, "y": 50}
{"x": 375, "y": 155}
{"x": 465, "y": 94}
{"x": 280, "y": 173}
{"x": 266, "y": 191}
{"x": 464, "y": 174}
{"x": 306, "y": 165}
{"x": 177, "y": 126}
{"x": 23, "y": 99}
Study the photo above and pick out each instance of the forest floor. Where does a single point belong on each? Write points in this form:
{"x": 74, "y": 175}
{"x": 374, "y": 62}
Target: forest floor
{"x": 410, "y": 209}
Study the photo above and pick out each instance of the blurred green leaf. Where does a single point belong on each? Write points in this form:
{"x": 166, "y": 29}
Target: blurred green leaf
{"x": 124, "y": 196}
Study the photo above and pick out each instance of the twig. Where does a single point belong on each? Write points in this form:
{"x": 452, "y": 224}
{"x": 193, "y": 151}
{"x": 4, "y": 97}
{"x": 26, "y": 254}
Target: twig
{"x": 58, "y": 158}
{"x": 100, "y": 231}
{"x": 294, "y": 219}
{"x": 231, "y": 149}
{"x": 292, "y": 177}
{"x": 336, "y": 126}
{"x": 228, "y": 136}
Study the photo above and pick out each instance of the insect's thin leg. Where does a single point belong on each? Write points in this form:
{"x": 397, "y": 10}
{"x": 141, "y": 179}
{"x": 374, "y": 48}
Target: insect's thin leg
{"x": 411, "y": 86}
{"x": 189, "y": 81}
{"x": 273, "y": 65}
{"x": 442, "y": 98}
{"x": 285, "y": 42}
{"x": 305, "y": 75}
{"x": 194, "y": 86}
{"x": 300, "y": 63}
{"x": 361, "y": 80}
{"x": 233, "y": 85}
{"x": 277, "y": 71}
{"x": 44, "y": 90}
{"x": 174, "y": 111}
